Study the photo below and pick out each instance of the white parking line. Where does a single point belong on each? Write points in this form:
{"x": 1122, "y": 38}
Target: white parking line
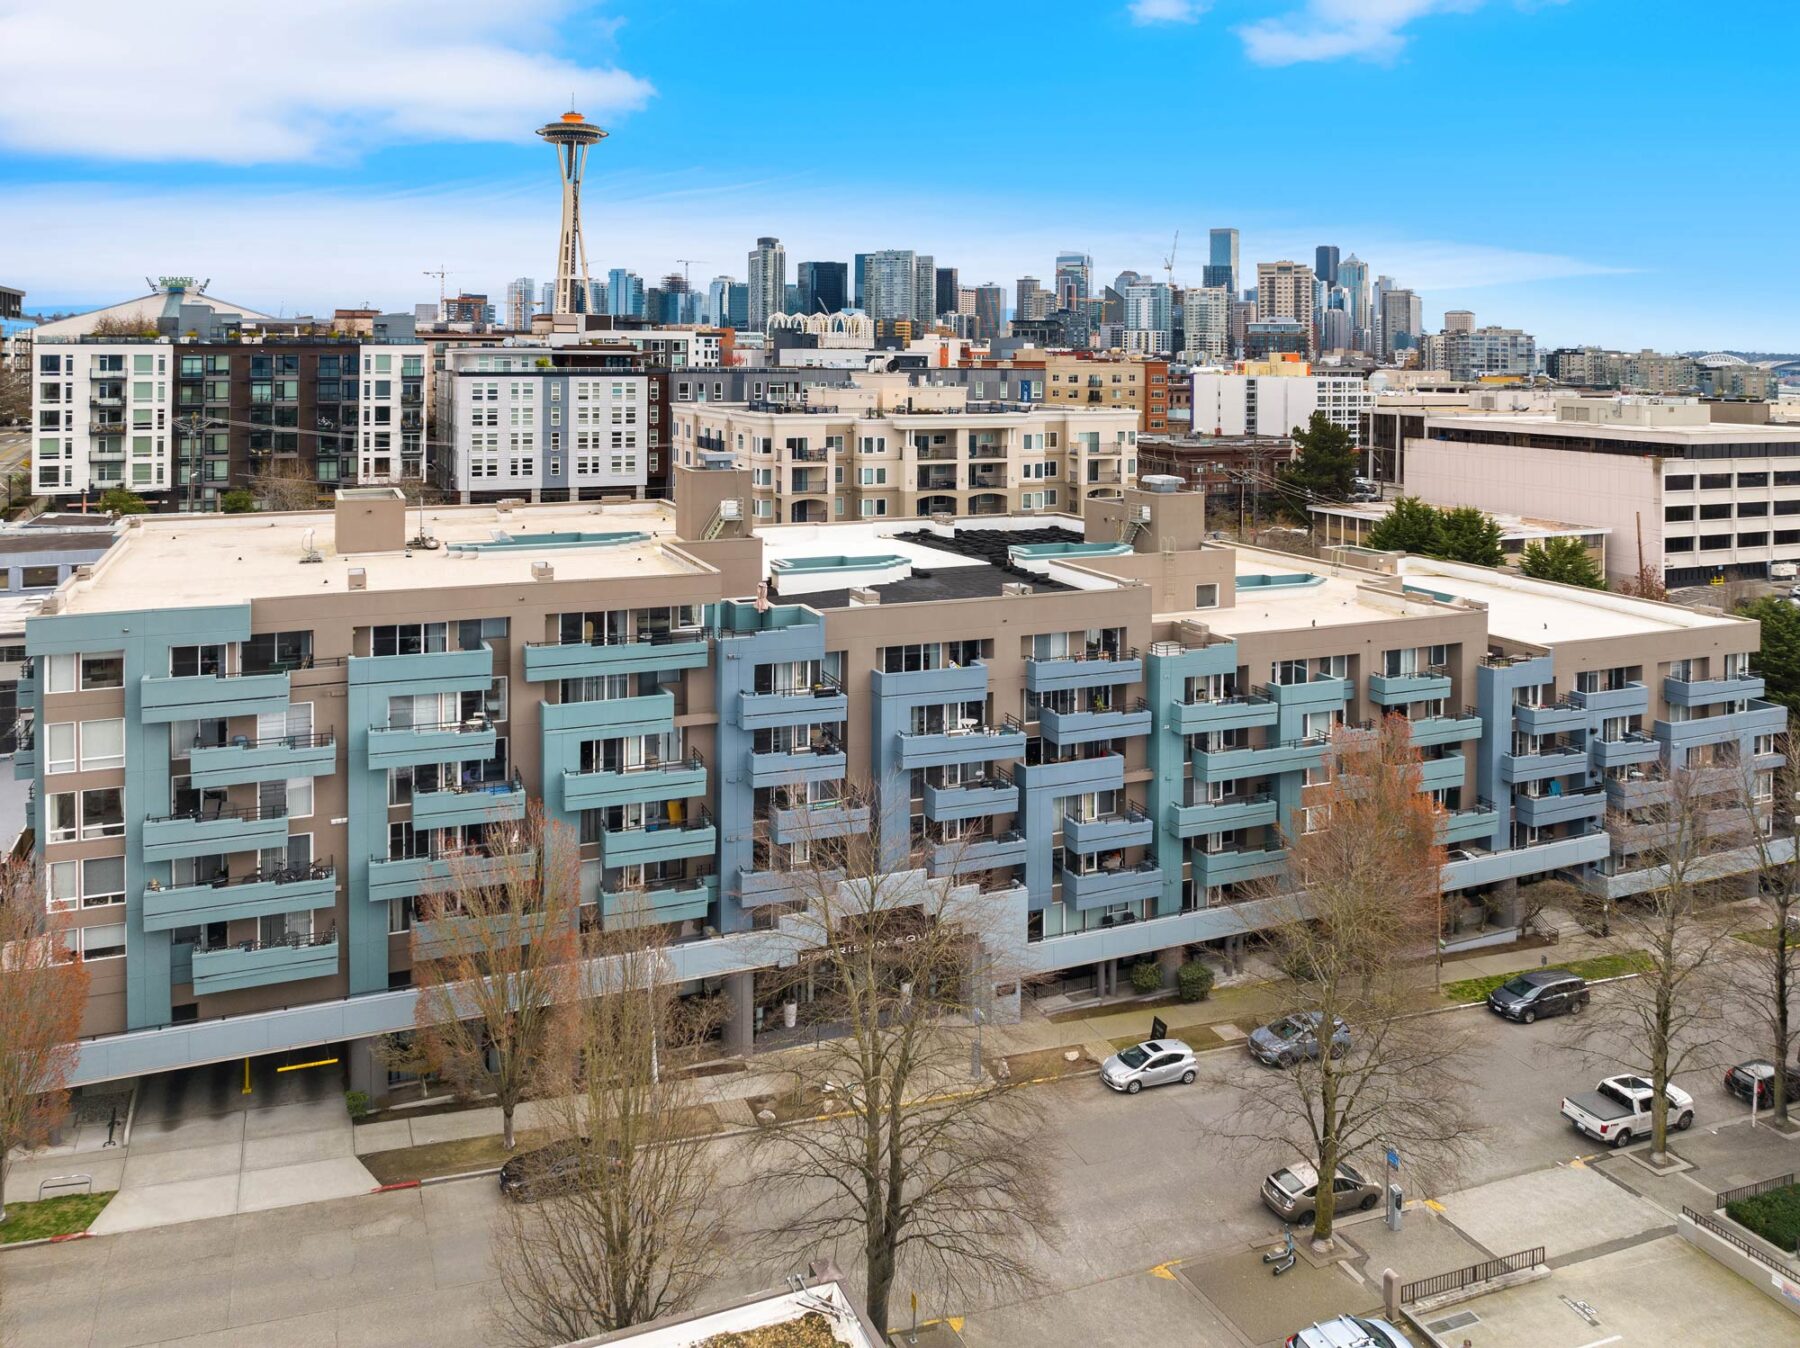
{"x": 1598, "y": 1343}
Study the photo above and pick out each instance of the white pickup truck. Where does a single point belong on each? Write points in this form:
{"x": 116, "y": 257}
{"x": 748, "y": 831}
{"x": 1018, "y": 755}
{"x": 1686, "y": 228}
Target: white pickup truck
{"x": 1618, "y": 1110}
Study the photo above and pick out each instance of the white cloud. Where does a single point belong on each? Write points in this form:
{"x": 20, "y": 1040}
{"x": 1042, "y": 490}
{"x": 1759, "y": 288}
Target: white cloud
{"x": 1326, "y": 30}
{"x": 1167, "y": 11}
{"x": 253, "y": 83}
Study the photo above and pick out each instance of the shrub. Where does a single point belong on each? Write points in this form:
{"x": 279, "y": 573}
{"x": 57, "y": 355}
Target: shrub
{"x": 1775, "y": 1216}
{"x": 356, "y": 1104}
{"x": 1146, "y": 977}
{"x": 1194, "y": 980}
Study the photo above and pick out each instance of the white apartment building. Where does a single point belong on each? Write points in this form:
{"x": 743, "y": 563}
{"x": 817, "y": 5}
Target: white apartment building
{"x": 101, "y": 416}
{"x": 391, "y": 439}
{"x": 1287, "y": 290}
{"x": 888, "y": 446}
{"x": 1274, "y": 397}
{"x": 1206, "y": 323}
{"x": 543, "y": 423}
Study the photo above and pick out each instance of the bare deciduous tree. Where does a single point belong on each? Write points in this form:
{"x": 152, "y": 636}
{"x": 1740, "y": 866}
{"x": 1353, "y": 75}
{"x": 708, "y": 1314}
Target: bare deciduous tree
{"x": 639, "y": 1230}
{"x": 1361, "y": 894}
{"x": 15, "y": 392}
{"x": 1670, "y": 1014}
{"x": 284, "y": 486}
{"x": 920, "y": 1167}
{"x": 495, "y": 961}
{"x": 43, "y": 990}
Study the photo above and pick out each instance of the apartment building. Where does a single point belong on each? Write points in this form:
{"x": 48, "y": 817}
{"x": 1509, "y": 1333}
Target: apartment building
{"x": 547, "y": 423}
{"x": 1695, "y": 497}
{"x": 245, "y": 768}
{"x": 1082, "y": 380}
{"x": 1272, "y": 397}
{"x": 895, "y": 445}
{"x": 1288, "y": 290}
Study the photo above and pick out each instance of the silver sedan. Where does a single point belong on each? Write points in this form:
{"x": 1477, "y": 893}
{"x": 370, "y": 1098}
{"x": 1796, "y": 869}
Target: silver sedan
{"x": 1155, "y": 1062}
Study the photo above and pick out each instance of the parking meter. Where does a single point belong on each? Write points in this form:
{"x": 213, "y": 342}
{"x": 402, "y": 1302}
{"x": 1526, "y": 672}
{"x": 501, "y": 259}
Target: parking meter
{"x": 1396, "y": 1202}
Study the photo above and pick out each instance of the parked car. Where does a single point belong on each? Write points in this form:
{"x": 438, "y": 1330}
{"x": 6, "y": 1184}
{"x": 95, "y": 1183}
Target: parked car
{"x": 1155, "y": 1062}
{"x": 1292, "y": 1193}
{"x": 1282, "y": 1043}
{"x": 1350, "y": 1331}
{"x": 1542, "y": 992}
{"x": 548, "y": 1171}
{"x": 1758, "y": 1077}
{"x": 1618, "y": 1110}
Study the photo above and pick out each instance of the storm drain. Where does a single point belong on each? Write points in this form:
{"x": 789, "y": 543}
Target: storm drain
{"x": 1461, "y": 1320}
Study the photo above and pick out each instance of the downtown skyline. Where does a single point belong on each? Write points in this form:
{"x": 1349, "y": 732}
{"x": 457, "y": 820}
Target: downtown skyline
{"x": 344, "y": 198}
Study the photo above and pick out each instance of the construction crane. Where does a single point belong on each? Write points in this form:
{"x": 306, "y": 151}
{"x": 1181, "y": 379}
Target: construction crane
{"x": 440, "y": 273}
{"x": 685, "y": 263}
{"x": 1169, "y": 261}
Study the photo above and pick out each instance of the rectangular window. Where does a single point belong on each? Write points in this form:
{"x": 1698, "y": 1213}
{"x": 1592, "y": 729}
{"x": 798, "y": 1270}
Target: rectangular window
{"x": 59, "y": 747}
{"x": 60, "y": 819}
{"x": 102, "y": 813}
{"x": 102, "y": 881}
{"x": 62, "y": 885}
{"x": 102, "y": 744}
{"x": 102, "y": 671}
{"x": 40, "y": 577}
{"x": 104, "y": 942}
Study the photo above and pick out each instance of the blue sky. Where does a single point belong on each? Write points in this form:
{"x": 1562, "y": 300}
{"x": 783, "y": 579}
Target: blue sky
{"x": 1593, "y": 170}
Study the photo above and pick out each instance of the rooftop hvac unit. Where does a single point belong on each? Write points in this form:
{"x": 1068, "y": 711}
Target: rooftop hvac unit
{"x": 1161, "y": 483}
{"x": 542, "y": 571}
{"x": 359, "y": 578}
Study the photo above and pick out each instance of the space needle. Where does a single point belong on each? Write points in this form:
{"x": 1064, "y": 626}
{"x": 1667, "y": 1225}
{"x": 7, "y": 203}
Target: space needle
{"x": 572, "y": 135}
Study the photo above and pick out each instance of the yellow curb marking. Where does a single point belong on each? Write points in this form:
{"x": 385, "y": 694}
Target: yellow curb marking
{"x": 1165, "y": 1270}
{"x": 1434, "y": 1205}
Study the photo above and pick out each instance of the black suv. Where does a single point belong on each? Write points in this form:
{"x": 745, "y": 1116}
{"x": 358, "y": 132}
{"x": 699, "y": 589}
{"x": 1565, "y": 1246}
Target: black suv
{"x": 1542, "y": 992}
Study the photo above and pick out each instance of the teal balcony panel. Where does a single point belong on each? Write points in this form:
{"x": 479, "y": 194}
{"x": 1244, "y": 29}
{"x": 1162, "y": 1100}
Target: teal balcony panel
{"x": 1485, "y": 868}
{"x": 1221, "y": 816}
{"x": 795, "y": 766}
{"x": 758, "y": 888}
{"x": 1760, "y": 718}
{"x": 637, "y": 785}
{"x": 983, "y": 744}
{"x": 492, "y": 804}
{"x": 1103, "y": 889}
{"x": 680, "y": 901}
{"x": 958, "y": 683}
{"x": 646, "y": 846}
{"x": 1236, "y": 865}
{"x": 1705, "y": 692}
{"x": 1228, "y": 713}
{"x": 1226, "y": 765}
{"x": 1397, "y": 690}
{"x": 277, "y": 759}
{"x": 1633, "y": 750}
{"x": 1067, "y": 728}
{"x": 1639, "y": 793}
{"x": 1073, "y": 776}
{"x": 1632, "y": 699}
{"x": 434, "y": 938}
{"x": 978, "y": 854}
{"x": 613, "y": 717}
{"x": 766, "y": 711}
{"x": 1543, "y": 811}
{"x": 1315, "y": 694}
{"x": 1472, "y": 825}
{"x": 25, "y": 761}
{"x": 548, "y": 663}
{"x": 195, "y": 905}
{"x": 193, "y": 697}
{"x": 201, "y": 835}
{"x": 410, "y": 877}
{"x": 455, "y": 742}
{"x": 972, "y": 800}
{"x": 819, "y": 821}
{"x": 1555, "y": 718}
{"x": 1095, "y": 671}
{"x": 1131, "y": 828}
{"x": 1442, "y": 774}
{"x": 1430, "y": 731}
{"x": 1516, "y": 769}
{"x": 427, "y": 672}
{"x": 250, "y": 965}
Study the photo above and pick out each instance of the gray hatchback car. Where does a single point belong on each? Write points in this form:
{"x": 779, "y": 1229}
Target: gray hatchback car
{"x": 1155, "y": 1062}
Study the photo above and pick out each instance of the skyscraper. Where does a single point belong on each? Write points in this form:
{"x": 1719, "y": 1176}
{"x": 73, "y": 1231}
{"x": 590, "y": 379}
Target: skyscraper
{"x": 624, "y": 293}
{"x": 573, "y": 136}
{"x": 924, "y": 291}
{"x": 1206, "y": 322}
{"x": 1149, "y": 318}
{"x": 1459, "y": 320}
{"x": 1402, "y": 321}
{"x": 858, "y": 274}
{"x": 1030, "y": 300}
{"x": 990, "y": 311}
{"x": 1353, "y": 279}
{"x": 1287, "y": 290}
{"x": 889, "y": 277}
{"x": 949, "y": 300}
{"x": 1325, "y": 264}
{"x": 1074, "y": 279}
{"x": 768, "y": 281}
{"x": 824, "y": 287}
{"x": 521, "y": 302}
{"x": 1222, "y": 259}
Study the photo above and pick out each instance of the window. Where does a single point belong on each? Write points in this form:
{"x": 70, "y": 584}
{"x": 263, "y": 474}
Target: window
{"x": 1720, "y": 510}
{"x": 1715, "y": 481}
{"x": 62, "y": 885}
{"x": 1681, "y": 482}
{"x": 102, "y": 671}
{"x": 59, "y": 747}
{"x": 872, "y": 508}
{"x": 102, "y": 744}
{"x": 190, "y": 661}
{"x": 409, "y": 639}
{"x": 60, "y": 818}
{"x": 105, "y": 942}
{"x": 102, "y": 881}
{"x": 1752, "y": 508}
{"x": 1672, "y": 513}
{"x": 102, "y": 813}
{"x": 272, "y": 652}
{"x": 40, "y": 577}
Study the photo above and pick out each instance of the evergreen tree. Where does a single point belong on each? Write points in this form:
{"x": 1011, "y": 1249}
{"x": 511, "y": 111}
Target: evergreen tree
{"x": 1410, "y": 526}
{"x": 1779, "y": 659}
{"x": 1323, "y": 465}
{"x": 1466, "y": 534}
{"x": 237, "y": 501}
{"x": 122, "y": 501}
{"x": 1565, "y": 560}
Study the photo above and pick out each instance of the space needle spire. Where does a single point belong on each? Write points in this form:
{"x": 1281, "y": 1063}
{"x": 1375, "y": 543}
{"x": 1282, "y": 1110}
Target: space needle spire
{"x": 572, "y": 135}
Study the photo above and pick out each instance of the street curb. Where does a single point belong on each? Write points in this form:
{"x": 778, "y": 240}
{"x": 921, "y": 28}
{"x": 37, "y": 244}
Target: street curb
{"x": 398, "y": 1184}
{"x": 47, "y": 1240}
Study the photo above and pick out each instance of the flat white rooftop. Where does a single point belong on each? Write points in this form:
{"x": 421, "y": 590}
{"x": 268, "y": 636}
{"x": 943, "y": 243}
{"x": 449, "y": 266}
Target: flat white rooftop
{"x": 1523, "y": 528}
{"x": 1547, "y": 423}
{"x": 1525, "y": 610}
{"x": 192, "y": 561}
{"x": 1317, "y": 595}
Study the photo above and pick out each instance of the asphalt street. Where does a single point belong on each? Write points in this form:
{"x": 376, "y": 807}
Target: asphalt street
{"x": 1139, "y": 1182}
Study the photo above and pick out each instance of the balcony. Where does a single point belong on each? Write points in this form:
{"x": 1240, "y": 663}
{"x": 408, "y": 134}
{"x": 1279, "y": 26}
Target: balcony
{"x": 1483, "y": 868}
{"x": 997, "y": 794}
{"x": 1102, "y": 889}
{"x": 1098, "y": 669}
{"x": 487, "y": 803}
{"x": 1431, "y": 731}
{"x": 823, "y": 703}
{"x": 1633, "y": 749}
{"x": 952, "y": 683}
{"x": 278, "y": 758}
{"x": 471, "y": 740}
{"x": 467, "y": 935}
{"x": 971, "y": 744}
{"x": 1558, "y": 761}
{"x": 1714, "y": 866}
{"x": 791, "y": 767}
{"x": 193, "y": 697}
{"x": 1236, "y": 865}
{"x": 637, "y": 784}
{"x": 1067, "y": 728}
{"x": 1397, "y": 690}
{"x": 253, "y": 895}
{"x": 1760, "y": 718}
{"x": 1316, "y": 694}
{"x": 677, "y": 901}
{"x": 661, "y": 842}
{"x": 612, "y": 717}
{"x": 1553, "y": 718}
{"x": 1220, "y": 816}
{"x": 1226, "y": 713}
{"x": 932, "y": 479}
{"x": 427, "y": 671}
{"x": 1073, "y": 776}
{"x": 250, "y": 964}
{"x": 1442, "y": 774}
{"x": 978, "y": 853}
{"x": 1631, "y": 699}
{"x": 1130, "y": 827}
{"x": 819, "y": 820}
{"x": 408, "y": 877}
{"x": 757, "y": 888}
{"x": 1543, "y": 811}
{"x": 214, "y": 832}
{"x": 548, "y": 662}
{"x": 1705, "y": 692}
{"x": 1225, "y": 765}
{"x": 1475, "y": 824}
